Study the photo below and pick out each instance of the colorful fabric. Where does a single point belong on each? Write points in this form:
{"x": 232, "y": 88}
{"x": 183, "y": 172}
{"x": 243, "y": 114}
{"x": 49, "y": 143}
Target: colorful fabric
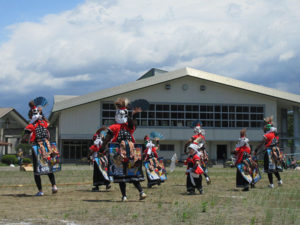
{"x": 269, "y": 138}
{"x": 44, "y": 166}
{"x": 155, "y": 170}
{"x": 249, "y": 169}
{"x": 121, "y": 130}
{"x": 272, "y": 163}
{"x": 240, "y": 153}
{"x": 152, "y": 175}
{"x": 38, "y": 130}
{"x": 162, "y": 172}
{"x": 125, "y": 170}
{"x": 243, "y": 170}
{"x": 101, "y": 171}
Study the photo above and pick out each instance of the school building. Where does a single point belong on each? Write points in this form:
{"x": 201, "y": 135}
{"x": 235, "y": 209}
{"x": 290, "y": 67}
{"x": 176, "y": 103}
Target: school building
{"x": 177, "y": 98}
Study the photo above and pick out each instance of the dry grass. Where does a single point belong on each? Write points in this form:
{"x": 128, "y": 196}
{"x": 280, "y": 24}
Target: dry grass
{"x": 166, "y": 204}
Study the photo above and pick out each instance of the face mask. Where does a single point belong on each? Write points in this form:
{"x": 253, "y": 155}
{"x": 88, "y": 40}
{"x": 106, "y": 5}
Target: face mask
{"x": 121, "y": 116}
{"x": 242, "y": 142}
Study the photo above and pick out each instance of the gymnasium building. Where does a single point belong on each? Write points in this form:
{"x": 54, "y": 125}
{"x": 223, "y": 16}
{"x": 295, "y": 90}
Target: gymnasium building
{"x": 177, "y": 98}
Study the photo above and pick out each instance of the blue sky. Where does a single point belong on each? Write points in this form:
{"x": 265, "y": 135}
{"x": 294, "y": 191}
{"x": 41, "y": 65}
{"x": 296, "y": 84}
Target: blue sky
{"x": 18, "y": 11}
{"x": 74, "y": 47}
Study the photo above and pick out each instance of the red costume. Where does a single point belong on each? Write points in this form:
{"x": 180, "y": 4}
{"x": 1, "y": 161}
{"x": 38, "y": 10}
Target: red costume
{"x": 117, "y": 128}
{"x": 239, "y": 152}
{"x": 33, "y": 127}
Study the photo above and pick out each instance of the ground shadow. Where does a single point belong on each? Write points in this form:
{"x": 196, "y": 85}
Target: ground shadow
{"x": 93, "y": 191}
{"x": 107, "y": 200}
{"x": 178, "y": 185}
{"x": 187, "y": 194}
{"x": 234, "y": 189}
{"x": 18, "y": 195}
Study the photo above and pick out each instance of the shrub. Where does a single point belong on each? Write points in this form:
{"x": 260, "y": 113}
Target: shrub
{"x": 26, "y": 160}
{"x": 9, "y": 159}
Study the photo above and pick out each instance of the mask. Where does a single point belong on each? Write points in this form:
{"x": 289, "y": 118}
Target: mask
{"x": 121, "y": 116}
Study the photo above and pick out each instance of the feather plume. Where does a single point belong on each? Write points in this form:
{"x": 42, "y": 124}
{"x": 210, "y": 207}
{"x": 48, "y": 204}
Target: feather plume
{"x": 268, "y": 120}
{"x": 140, "y": 103}
{"x": 40, "y": 101}
{"x": 156, "y": 135}
{"x": 121, "y": 103}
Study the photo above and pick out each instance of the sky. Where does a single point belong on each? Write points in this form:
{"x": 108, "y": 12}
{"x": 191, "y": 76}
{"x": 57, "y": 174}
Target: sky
{"x": 74, "y": 47}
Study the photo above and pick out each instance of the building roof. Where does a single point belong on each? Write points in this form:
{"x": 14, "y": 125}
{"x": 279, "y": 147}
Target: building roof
{"x": 14, "y": 113}
{"x": 152, "y": 72}
{"x": 60, "y": 98}
{"x": 4, "y": 111}
{"x": 168, "y": 76}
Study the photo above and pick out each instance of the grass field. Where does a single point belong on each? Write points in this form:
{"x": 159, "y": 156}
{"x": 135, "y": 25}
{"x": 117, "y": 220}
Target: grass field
{"x": 221, "y": 203}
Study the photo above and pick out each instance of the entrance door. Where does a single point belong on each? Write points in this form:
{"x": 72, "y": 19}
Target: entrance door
{"x": 221, "y": 152}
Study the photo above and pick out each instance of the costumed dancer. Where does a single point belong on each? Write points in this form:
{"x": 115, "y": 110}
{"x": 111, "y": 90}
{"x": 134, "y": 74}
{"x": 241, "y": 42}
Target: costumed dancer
{"x": 39, "y": 123}
{"x": 151, "y": 162}
{"x": 199, "y": 139}
{"x": 36, "y": 132}
{"x": 243, "y": 153}
{"x": 122, "y": 133}
{"x": 100, "y": 161}
{"x": 194, "y": 170}
{"x": 271, "y": 151}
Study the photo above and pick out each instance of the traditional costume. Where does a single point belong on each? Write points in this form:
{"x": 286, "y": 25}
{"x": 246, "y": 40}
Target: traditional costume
{"x": 125, "y": 158}
{"x": 199, "y": 139}
{"x": 272, "y": 160}
{"x": 155, "y": 170}
{"x": 45, "y": 154}
{"x": 243, "y": 153}
{"x": 100, "y": 162}
{"x": 194, "y": 170}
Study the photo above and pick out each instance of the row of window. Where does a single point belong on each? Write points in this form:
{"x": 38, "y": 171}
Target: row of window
{"x": 196, "y": 108}
{"x": 171, "y": 115}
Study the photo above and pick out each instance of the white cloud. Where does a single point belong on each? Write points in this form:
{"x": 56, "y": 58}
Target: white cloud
{"x": 286, "y": 56}
{"x": 113, "y": 41}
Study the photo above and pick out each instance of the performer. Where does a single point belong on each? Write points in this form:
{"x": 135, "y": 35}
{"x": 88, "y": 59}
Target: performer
{"x": 38, "y": 126}
{"x": 194, "y": 170}
{"x": 270, "y": 142}
{"x": 100, "y": 162}
{"x": 151, "y": 162}
{"x": 199, "y": 139}
{"x": 122, "y": 133}
{"x": 37, "y": 133}
{"x": 243, "y": 153}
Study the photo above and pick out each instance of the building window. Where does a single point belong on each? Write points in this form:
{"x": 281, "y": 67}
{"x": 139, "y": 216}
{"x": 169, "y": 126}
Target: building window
{"x": 183, "y": 115}
{"x": 75, "y": 149}
{"x": 166, "y": 147}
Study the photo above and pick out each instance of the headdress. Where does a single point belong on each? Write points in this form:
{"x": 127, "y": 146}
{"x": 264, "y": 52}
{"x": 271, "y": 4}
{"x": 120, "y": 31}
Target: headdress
{"x": 268, "y": 125}
{"x": 243, "y": 140}
{"x": 198, "y": 127}
{"x": 36, "y": 106}
{"x": 194, "y": 147}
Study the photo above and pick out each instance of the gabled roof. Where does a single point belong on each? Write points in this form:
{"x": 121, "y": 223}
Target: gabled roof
{"x": 168, "y": 76}
{"x": 4, "y": 111}
{"x": 152, "y": 72}
{"x": 15, "y": 114}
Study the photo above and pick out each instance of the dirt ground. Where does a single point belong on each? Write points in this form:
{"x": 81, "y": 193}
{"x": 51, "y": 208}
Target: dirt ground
{"x": 168, "y": 203}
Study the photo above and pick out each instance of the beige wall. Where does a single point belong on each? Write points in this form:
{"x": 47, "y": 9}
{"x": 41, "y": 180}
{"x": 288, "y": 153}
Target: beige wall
{"x": 82, "y": 121}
